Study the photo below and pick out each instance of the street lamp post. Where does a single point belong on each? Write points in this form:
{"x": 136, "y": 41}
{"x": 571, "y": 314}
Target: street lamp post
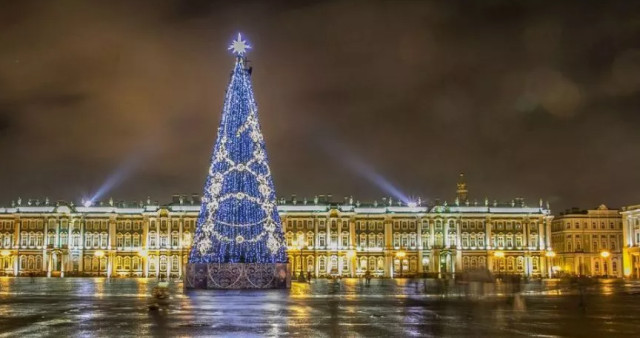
{"x": 400, "y": 255}
{"x": 301, "y": 277}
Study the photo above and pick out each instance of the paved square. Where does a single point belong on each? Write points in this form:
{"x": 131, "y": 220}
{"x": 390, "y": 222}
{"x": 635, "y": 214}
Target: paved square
{"x": 386, "y": 308}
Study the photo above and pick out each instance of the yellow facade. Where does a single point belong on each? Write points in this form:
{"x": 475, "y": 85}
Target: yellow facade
{"x": 588, "y": 242}
{"x": 631, "y": 240}
{"x": 324, "y": 238}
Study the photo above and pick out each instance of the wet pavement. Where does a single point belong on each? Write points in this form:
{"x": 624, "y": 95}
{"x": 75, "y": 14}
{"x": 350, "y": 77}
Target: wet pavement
{"x": 387, "y": 308}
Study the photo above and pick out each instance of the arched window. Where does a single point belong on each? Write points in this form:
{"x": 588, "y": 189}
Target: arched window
{"x": 480, "y": 237}
{"x": 520, "y": 263}
{"x": 465, "y": 240}
{"x": 425, "y": 241}
{"x": 39, "y": 263}
{"x": 8, "y": 238}
{"x": 289, "y": 238}
{"x": 510, "y": 263}
{"x": 32, "y": 239}
{"x": 380, "y": 242}
{"x": 175, "y": 263}
{"x": 104, "y": 238}
{"x": 413, "y": 264}
{"x": 136, "y": 240}
{"x": 118, "y": 263}
{"x": 380, "y": 263}
{"x": 95, "y": 264}
{"x": 103, "y": 263}
{"x": 174, "y": 239}
{"x": 509, "y": 240}
{"x": 363, "y": 263}
{"x": 465, "y": 262}
{"x": 372, "y": 264}
{"x": 405, "y": 240}
{"x": 322, "y": 264}
{"x": 127, "y": 263}
{"x": 152, "y": 263}
{"x": 322, "y": 239}
{"x": 51, "y": 238}
{"x": 31, "y": 263}
{"x": 309, "y": 263}
{"x": 310, "y": 239}
{"x": 439, "y": 239}
{"x": 136, "y": 263}
{"x": 334, "y": 240}
{"x": 396, "y": 240}
{"x": 363, "y": 240}
{"x": 474, "y": 262}
{"x": 345, "y": 239}
{"x": 614, "y": 266}
{"x": 372, "y": 240}
{"x": 519, "y": 241}
{"x": 412, "y": 239}
{"x": 152, "y": 239}
{"x": 333, "y": 265}
{"x": 96, "y": 240}
{"x": 163, "y": 263}
{"x": 120, "y": 240}
{"x": 127, "y": 240}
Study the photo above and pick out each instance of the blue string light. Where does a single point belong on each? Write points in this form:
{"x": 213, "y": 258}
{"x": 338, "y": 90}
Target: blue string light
{"x": 238, "y": 220}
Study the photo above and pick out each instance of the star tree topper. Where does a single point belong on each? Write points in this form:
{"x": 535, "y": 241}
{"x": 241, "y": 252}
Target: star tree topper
{"x": 239, "y": 47}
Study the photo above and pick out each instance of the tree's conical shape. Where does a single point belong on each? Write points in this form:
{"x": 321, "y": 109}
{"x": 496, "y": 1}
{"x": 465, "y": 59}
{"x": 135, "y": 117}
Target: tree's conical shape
{"x": 238, "y": 220}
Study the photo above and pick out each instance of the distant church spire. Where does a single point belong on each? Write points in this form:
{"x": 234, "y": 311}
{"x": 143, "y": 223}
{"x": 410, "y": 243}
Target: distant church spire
{"x": 461, "y": 192}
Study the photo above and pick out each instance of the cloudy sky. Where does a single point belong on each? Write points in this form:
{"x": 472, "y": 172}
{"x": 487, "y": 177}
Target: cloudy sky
{"x": 533, "y": 99}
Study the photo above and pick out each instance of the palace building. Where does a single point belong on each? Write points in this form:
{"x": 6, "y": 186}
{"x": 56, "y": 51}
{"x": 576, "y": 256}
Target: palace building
{"x": 324, "y": 237}
{"x": 588, "y": 242}
{"x": 631, "y": 240}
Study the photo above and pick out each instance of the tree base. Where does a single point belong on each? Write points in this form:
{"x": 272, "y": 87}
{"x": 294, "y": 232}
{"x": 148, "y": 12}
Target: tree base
{"x": 237, "y": 276}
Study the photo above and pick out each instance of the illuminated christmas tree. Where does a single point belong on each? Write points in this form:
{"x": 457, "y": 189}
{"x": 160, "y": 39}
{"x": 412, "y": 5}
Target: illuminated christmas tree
{"x": 238, "y": 220}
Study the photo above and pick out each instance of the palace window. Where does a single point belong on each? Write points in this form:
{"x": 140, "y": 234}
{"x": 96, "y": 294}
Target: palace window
{"x": 136, "y": 263}
{"x": 534, "y": 263}
{"x": 127, "y": 240}
{"x": 119, "y": 241}
{"x": 425, "y": 241}
{"x": 136, "y": 240}
{"x": 51, "y": 238}
{"x": 345, "y": 239}
{"x": 164, "y": 241}
{"x": 289, "y": 238}
{"x": 480, "y": 240}
{"x": 174, "y": 239}
{"x": 322, "y": 239}
{"x": 380, "y": 242}
{"x": 310, "y": 239}
{"x": 175, "y": 262}
{"x": 372, "y": 240}
{"x": 152, "y": 239}
{"x": 127, "y": 263}
{"x": 163, "y": 263}
{"x": 334, "y": 240}
{"x": 405, "y": 240}
{"x": 396, "y": 240}
{"x": 412, "y": 239}
{"x": 519, "y": 241}
{"x": 509, "y": 241}
{"x": 465, "y": 240}
{"x": 322, "y": 264}
{"x": 472, "y": 241}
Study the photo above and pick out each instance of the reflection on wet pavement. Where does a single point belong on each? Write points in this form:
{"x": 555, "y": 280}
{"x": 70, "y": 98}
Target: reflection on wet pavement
{"x": 412, "y": 307}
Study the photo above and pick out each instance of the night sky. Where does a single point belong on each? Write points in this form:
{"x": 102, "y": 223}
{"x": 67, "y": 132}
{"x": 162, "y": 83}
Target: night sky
{"x": 529, "y": 98}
